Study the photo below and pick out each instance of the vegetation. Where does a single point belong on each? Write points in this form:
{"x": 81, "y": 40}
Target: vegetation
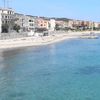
{"x": 5, "y": 28}
{"x": 57, "y": 27}
{"x": 16, "y": 28}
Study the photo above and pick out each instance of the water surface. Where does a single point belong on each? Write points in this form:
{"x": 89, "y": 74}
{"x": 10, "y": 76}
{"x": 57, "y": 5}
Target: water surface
{"x": 69, "y": 70}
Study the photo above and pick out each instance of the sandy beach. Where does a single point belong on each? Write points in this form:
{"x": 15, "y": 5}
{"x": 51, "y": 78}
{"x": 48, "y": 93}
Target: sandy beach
{"x": 36, "y": 41}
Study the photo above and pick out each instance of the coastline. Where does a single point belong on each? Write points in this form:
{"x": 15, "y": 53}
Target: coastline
{"x": 38, "y": 41}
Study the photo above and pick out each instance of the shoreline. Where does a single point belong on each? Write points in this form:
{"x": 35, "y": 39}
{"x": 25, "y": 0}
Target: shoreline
{"x": 39, "y": 41}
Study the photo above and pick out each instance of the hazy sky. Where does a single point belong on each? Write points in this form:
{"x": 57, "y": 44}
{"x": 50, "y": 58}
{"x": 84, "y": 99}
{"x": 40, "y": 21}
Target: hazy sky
{"x": 76, "y": 9}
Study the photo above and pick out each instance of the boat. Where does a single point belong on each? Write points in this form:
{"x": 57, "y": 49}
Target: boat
{"x": 89, "y": 37}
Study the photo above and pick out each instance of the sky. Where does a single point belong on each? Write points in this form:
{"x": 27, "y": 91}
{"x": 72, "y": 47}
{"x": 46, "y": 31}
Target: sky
{"x": 73, "y": 9}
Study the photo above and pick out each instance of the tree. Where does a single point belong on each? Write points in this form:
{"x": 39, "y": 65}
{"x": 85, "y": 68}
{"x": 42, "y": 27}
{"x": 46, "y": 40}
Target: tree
{"x": 5, "y": 28}
{"x": 57, "y": 27}
{"x": 16, "y": 28}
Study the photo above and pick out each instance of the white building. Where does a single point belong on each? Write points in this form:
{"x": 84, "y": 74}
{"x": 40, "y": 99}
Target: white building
{"x": 96, "y": 24}
{"x": 7, "y": 17}
{"x": 27, "y": 23}
{"x": 70, "y": 23}
{"x": 52, "y": 24}
{"x": 31, "y": 23}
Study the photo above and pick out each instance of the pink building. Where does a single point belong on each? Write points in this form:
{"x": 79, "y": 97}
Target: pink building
{"x": 42, "y": 23}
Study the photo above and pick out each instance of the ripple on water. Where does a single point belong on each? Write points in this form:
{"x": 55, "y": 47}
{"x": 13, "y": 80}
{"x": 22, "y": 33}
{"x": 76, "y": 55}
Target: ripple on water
{"x": 88, "y": 98}
{"x": 14, "y": 95}
{"x": 89, "y": 70}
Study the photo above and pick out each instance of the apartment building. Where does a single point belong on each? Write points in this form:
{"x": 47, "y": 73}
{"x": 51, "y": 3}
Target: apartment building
{"x": 70, "y": 23}
{"x": 20, "y": 20}
{"x": 96, "y": 24}
{"x": 7, "y": 17}
{"x": 42, "y": 23}
{"x": 26, "y": 22}
{"x": 61, "y": 24}
{"x": 52, "y": 23}
{"x": 31, "y": 23}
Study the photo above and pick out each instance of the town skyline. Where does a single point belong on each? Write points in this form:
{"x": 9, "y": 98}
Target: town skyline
{"x": 79, "y": 10}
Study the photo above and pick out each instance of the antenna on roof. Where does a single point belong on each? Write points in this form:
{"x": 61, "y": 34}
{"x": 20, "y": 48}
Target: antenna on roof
{"x": 9, "y": 3}
{"x": 4, "y": 1}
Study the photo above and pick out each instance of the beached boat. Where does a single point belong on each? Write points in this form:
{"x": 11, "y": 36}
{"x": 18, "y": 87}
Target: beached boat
{"x": 89, "y": 37}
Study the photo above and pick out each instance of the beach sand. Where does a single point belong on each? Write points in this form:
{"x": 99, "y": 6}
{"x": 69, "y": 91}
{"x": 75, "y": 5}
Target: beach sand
{"x": 36, "y": 41}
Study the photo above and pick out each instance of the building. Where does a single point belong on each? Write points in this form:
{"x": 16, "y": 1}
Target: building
{"x": 26, "y": 22}
{"x": 42, "y": 23}
{"x": 7, "y": 17}
{"x": 52, "y": 24}
{"x": 31, "y": 23}
{"x": 19, "y": 20}
{"x": 96, "y": 24}
{"x": 70, "y": 23}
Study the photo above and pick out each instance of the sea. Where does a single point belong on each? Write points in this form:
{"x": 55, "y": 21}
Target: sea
{"x": 67, "y": 70}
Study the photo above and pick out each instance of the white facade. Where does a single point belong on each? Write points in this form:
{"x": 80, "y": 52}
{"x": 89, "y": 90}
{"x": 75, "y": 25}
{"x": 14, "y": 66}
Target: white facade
{"x": 96, "y": 25}
{"x": 70, "y": 23}
{"x": 25, "y": 22}
{"x": 52, "y": 24}
{"x": 7, "y": 17}
{"x": 0, "y": 22}
{"x": 31, "y": 23}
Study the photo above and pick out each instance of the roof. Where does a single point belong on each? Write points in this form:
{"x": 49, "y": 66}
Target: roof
{"x": 6, "y": 9}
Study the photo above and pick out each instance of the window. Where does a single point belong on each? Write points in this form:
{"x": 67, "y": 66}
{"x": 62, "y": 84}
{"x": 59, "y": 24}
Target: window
{"x": 3, "y": 22}
{"x": 22, "y": 24}
{"x": 30, "y": 20}
{"x": 41, "y": 24}
{"x": 31, "y": 25}
{"x": 8, "y": 12}
{"x": 6, "y": 22}
{"x": 2, "y": 16}
{"x": 45, "y": 22}
{"x": 5, "y": 16}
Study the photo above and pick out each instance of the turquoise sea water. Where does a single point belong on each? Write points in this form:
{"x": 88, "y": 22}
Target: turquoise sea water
{"x": 69, "y": 70}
